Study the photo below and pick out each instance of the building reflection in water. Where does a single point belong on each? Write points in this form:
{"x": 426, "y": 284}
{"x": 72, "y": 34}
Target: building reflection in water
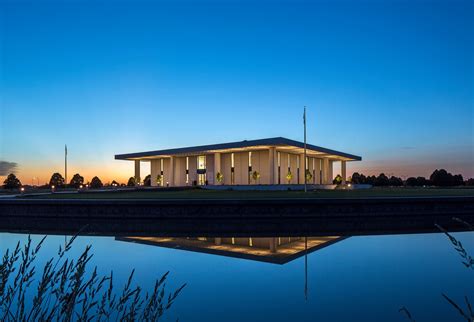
{"x": 276, "y": 250}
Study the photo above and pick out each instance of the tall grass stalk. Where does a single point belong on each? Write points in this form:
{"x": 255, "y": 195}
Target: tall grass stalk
{"x": 66, "y": 291}
{"x": 468, "y": 262}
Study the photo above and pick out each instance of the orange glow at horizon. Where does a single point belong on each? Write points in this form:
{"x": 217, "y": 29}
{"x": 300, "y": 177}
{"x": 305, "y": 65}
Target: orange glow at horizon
{"x": 121, "y": 171}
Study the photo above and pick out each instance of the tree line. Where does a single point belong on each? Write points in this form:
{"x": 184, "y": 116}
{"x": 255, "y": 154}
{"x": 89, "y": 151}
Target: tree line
{"x": 58, "y": 181}
{"x": 440, "y": 178}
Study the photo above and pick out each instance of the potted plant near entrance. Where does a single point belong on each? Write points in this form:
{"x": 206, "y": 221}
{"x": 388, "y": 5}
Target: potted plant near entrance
{"x": 255, "y": 176}
{"x": 159, "y": 179}
{"x": 308, "y": 175}
{"x": 220, "y": 178}
{"x": 289, "y": 176}
{"x": 337, "y": 180}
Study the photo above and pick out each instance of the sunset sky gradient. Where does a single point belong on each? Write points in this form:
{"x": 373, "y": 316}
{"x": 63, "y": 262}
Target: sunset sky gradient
{"x": 391, "y": 81}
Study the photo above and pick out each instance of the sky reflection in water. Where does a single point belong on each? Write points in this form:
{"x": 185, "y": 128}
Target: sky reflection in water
{"x": 358, "y": 279}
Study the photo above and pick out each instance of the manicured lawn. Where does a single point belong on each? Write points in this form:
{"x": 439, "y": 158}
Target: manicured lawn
{"x": 212, "y": 194}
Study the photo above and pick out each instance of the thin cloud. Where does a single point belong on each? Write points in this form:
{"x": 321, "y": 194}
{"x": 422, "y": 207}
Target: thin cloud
{"x": 7, "y": 167}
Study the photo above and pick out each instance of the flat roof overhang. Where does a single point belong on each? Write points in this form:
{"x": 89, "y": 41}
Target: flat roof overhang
{"x": 281, "y": 143}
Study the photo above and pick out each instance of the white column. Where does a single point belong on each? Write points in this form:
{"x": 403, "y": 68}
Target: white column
{"x": 343, "y": 171}
{"x": 302, "y": 168}
{"x": 154, "y": 171}
{"x": 171, "y": 176}
{"x": 217, "y": 167}
{"x": 272, "y": 245}
{"x": 330, "y": 172}
{"x": 317, "y": 168}
{"x": 137, "y": 172}
{"x": 325, "y": 171}
{"x": 273, "y": 166}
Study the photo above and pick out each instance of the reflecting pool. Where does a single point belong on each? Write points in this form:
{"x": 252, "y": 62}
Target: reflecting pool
{"x": 338, "y": 278}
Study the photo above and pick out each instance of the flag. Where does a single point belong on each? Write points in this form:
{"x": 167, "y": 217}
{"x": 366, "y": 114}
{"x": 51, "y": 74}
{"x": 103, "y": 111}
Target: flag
{"x": 304, "y": 116}
{"x": 65, "y": 149}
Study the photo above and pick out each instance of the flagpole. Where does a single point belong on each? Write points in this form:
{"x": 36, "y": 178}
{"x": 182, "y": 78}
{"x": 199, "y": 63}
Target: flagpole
{"x": 65, "y": 165}
{"x": 304, "y": 162}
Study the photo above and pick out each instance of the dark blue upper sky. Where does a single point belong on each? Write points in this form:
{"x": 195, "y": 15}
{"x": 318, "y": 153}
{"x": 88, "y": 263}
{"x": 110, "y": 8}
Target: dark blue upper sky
{"x": 389, "y": 80}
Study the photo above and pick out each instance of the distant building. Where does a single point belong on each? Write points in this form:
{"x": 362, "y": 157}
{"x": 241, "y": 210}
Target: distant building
{"x": 266, "y": 161}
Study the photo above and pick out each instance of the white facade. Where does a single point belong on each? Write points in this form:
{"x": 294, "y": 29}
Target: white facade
{"x": 241, "y": 163}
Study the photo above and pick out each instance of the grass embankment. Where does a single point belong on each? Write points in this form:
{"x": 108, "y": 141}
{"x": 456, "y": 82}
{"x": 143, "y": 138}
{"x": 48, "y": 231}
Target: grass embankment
{"x": 216, "y": 194}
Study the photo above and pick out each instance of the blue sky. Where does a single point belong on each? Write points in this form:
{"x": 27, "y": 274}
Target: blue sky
{"x": 391, "y": 81}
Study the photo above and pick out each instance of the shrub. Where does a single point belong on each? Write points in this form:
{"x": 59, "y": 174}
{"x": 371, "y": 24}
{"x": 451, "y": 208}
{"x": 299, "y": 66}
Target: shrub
{"x": 147, "y": 180}
{"x": 255, "y": 176}
{"x": 219, "y": 177}
{"x": 289, "y": 176}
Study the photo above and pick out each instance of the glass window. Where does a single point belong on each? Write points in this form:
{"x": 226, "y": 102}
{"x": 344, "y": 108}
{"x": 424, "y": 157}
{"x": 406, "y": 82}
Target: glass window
{"x": 279, "y": 167}
{"x": 201, "y": 170}
{"x": 202, "y": 162}
{"x": 187, "y": 170}
{"x": 232, "y": 174}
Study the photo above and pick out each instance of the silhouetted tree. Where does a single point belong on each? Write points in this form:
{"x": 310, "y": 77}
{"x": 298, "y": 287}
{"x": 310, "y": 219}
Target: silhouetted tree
{"x": 395, "y": 181}
{"x": 147, "y": 181}
{"x": 422, "y": 181}
{"x": 131, "y": 182}
{"x": 382, "y": 180}
{"x": 370, "y": 180}
{"x": 76, "y": 181}
{"x": 443, "y": 178}
{"x": 11, "y": 182}
{"x": 337, "y": 179}
{"x": 411, "y": 182}
{"x": 470, "y": 182}
{"x": 56, "y": 180}
{"x": 458, "y": 180}
{"x": 356, "y": 178}
{"x": 96, "y": 183}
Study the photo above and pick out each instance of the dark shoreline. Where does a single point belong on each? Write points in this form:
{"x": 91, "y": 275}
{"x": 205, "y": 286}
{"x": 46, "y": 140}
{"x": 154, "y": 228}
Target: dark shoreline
{"x": 236, "y": 217}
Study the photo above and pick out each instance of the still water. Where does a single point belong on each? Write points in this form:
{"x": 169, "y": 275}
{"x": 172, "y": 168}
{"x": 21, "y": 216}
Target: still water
{"x": 363, "y": 278}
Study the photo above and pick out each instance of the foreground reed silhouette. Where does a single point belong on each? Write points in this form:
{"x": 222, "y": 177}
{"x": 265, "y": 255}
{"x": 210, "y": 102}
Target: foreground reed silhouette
{"x": 468, "y": 262}
{"x": 66, "y": 291}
